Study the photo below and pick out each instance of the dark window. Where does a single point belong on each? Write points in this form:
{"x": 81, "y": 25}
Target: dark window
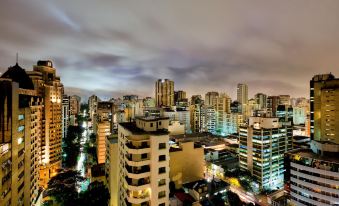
{"x": 144, "y": 156}
{"x": 162, "y": 158}
{"x": 151, "y": 125}
{"x": 162, "y": 170}
{"x": 162, "y": 145}
{"x": 160, "y": 123}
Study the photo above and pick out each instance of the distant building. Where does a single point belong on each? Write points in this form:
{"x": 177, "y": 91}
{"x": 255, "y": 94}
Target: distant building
{"x": 164, "y": 92}
{"x": 284, "y": 99}
{"x": 196, "y": 99}
{"x": 93, "y": 105}
{"x": 242, "y": 95}
{"x": 74, "y": 102}
{"x": 65, "y": 115}
{"x": 263, "y": 143}
{"x": 261, "y": 100}
{"x": 179, "y": 96}
{"x": 210, "y": 98}
{"x": 272, "y": 104}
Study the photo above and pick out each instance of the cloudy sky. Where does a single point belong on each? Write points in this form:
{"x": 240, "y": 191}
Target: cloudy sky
{"x": 113, "y": 47}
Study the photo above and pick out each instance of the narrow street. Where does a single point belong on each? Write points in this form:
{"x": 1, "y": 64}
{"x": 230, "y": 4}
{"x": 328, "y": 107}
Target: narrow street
{"x": 81, "y": 160}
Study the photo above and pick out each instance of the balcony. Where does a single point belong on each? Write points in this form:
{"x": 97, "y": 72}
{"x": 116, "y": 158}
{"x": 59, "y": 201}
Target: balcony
{"x": 138, "y": 172}
{"x": 138, "y": 197}
{"x": 140, "y": 149}
{"x": 137, "y": 184}
{"x": 137, "y": 160}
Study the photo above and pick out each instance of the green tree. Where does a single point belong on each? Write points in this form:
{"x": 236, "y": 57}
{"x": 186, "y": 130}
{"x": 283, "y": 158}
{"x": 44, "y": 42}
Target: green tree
{"x": 71, "y": 146}
{"x": 64, "y": 186}
{"x": 233, "y": 199}
{"x": 96, "y": 194}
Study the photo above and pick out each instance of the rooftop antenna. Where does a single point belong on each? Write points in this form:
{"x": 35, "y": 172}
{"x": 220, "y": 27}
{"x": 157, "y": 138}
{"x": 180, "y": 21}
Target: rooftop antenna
{"x": 17, "y": 58}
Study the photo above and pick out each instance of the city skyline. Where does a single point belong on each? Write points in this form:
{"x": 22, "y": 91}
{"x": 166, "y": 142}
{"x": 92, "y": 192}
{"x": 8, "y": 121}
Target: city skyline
{"x": 269, "y": 46}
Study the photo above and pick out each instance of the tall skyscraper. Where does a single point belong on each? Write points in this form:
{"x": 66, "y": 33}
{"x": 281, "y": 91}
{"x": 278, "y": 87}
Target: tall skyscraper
{"x": 20, "y": 134}
{"x": 48, "y": 86}
{"x": 93, "y": 105}
{"x": 210, "y": 98}
{"x": 102, "y": 125}
{"x": 261, "y": 100}
{"x": 222, "y": 105}
{"x": 242, "y": 97}
{"x": 143, "y": 164}
{"x": 164, "y": 93}
{"x": 263, "y": 143}
{"x": 325, "y": 108}
{"x": 242, "y": 93}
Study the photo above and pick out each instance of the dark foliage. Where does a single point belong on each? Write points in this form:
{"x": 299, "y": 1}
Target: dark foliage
{"x": 96, "y": 194}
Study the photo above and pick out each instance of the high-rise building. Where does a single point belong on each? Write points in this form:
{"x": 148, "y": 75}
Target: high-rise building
{"x": 196, "y": 99}
{"x": 261, "y": 100}
{"x": 143, "y": 166}
{"x": 284, "y": 100}
{"x": 179, "y": 96}
{"x": 325, "y": 108}
{"x": 20, "y": 133}
{"x": 210, "y": 119}
{"x": 102, "y": 127}
{"x": 65, "y": 115}
{"x": 197, "y": 118}
{"x": 210, "y": 98}
{"x": 164, "y": 93}
{"x": 312, "y": 174}
{"x": 222, "y": 105}
{"x": 272, "y": 104}
{"x": 93, "y": 105}
{"x": 242, "y": 93}
{"x": 48, "y": 86}
{"x": 74, "y": 108}
{"x": 263, "y": 143}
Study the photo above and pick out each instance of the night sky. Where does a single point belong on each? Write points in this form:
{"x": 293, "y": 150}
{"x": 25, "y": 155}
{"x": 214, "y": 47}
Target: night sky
{"x": 113, "y": 47}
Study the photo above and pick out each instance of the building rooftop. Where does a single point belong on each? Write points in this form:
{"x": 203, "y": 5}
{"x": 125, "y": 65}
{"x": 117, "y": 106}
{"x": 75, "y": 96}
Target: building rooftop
{"x": 19, "y": 75}
{"x": 309, "y": 154}
{"x": 151, "y": 118}
{"x": 204, "y": 139}
{"x": 132, "y": 127}
{"x": 113, "y": 139}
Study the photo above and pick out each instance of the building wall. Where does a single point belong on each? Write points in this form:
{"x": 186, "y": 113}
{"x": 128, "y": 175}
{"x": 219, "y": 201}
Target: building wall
{"x": 143, "y": 164}
{"x": 183, "y": 169}
{"x": 112, "y": 170}
{"x": 261, "y": 150}
{"x": 164, "y": 92}
{"x": 325, "y": 108}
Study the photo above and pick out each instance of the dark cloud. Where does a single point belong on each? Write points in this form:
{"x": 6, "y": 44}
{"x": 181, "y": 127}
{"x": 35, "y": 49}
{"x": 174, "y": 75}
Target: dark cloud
{"x": 117, "y": 47}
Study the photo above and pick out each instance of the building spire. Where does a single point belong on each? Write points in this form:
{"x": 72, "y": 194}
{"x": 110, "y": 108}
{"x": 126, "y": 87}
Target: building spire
{"x": 17, "y": 58}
